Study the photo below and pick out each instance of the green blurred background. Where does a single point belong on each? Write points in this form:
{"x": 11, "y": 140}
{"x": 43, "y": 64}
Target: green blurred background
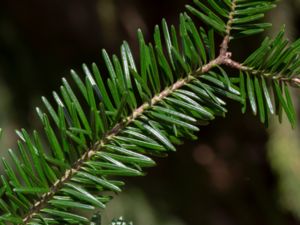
{"x": 238, "y": 173}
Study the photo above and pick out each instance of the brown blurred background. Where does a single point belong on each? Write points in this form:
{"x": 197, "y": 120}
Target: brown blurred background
{"x": 236, "y": 174}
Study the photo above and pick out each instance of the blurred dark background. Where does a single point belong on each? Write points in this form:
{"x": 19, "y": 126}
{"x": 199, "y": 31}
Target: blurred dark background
{"x": 236, "y": 174}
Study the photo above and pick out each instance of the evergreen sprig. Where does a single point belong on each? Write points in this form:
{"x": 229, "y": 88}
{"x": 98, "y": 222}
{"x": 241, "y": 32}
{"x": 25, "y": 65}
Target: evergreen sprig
{"x": 275, "y": 66}
{"x": 101, "y": 131}
{"x": 244, "y": 15}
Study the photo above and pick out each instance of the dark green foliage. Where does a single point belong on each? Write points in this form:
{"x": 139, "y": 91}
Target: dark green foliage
{"x": 275, "y": 66}
{"x": 246, "y": 15}
{"x": 97, "y": 131}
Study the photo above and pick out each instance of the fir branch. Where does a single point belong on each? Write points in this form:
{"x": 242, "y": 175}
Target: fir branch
{"x": 223, "y": 58}
{"x": 174, "y": 94}
{"x": 116, "y": 130}
{"x": 293, "y": 80}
